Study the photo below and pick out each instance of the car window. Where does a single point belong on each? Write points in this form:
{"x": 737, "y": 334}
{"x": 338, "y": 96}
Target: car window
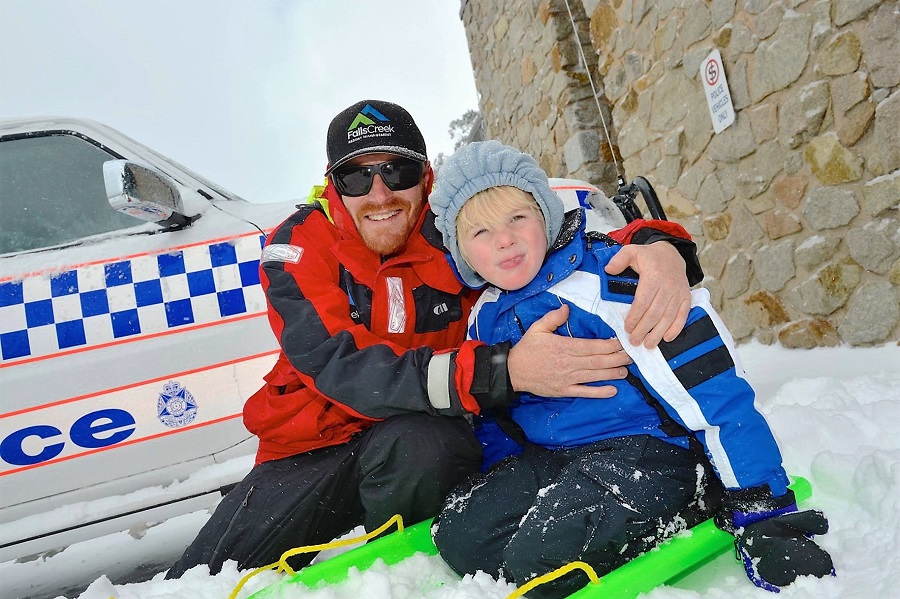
{"x": 52, "y": 192}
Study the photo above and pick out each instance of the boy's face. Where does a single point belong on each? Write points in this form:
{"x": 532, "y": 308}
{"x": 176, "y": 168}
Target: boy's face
{"x": 509, "y": 254}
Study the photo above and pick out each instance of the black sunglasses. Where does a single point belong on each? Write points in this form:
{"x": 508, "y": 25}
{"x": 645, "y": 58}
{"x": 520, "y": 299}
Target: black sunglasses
{"x": 397, "y": 174}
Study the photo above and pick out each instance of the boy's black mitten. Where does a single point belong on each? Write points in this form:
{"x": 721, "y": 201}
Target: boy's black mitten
{"x": 773, "y": 539}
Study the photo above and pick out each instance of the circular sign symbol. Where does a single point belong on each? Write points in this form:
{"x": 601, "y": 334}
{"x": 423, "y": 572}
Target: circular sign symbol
{"x": 712, "y": 72}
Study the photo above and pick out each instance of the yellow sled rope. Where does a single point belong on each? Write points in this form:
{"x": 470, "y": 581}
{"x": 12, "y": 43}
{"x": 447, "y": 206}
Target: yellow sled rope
{"x": 282, "y": 566}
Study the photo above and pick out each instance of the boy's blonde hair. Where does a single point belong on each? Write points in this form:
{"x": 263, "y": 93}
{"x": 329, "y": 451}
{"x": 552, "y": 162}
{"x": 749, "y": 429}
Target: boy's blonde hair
{"x": 490, "y": 207}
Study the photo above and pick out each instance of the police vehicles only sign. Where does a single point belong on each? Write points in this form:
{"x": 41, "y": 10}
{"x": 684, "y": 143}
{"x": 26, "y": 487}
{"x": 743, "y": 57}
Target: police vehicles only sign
{"x": 718, "y": 97}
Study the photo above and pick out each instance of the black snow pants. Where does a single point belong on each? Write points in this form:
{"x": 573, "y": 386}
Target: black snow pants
{"x": 403, "y": 465}
{"x": 603, "y": 503}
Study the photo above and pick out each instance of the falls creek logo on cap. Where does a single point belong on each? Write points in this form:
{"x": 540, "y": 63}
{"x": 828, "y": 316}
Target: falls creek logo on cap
{"x": 364, "y": 125}
{"x": 373, "y": 127}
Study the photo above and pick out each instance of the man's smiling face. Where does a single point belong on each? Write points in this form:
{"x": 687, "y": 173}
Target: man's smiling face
{"x": 384, "y": 218}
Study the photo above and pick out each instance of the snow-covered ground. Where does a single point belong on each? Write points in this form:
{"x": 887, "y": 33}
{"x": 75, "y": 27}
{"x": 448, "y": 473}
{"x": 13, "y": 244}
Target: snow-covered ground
{"x": 835, "y": 411}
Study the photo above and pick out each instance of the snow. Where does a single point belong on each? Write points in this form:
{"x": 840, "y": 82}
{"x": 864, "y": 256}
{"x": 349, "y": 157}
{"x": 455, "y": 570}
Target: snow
{"x": 835, "y": 412}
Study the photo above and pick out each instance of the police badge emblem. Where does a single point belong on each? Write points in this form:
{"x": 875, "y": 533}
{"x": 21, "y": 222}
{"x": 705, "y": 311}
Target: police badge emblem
{"x": 176, "y": 406}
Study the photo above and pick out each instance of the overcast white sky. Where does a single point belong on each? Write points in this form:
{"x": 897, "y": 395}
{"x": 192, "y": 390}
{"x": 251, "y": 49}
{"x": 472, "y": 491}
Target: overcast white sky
{"x": 240, "y": 91}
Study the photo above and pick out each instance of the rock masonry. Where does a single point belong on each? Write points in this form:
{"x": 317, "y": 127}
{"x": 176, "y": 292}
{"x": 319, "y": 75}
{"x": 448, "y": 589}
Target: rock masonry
{"x": 795, "y": 207}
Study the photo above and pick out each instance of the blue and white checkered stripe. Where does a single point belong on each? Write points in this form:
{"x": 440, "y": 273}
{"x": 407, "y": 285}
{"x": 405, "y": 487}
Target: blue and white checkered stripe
{"x": 100, "y": 303}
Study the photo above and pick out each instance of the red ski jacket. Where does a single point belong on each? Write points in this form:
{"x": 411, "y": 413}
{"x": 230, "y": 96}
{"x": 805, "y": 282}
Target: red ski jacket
{"x": 363, "y": 339}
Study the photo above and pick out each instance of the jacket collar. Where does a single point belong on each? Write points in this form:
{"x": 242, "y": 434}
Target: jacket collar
{"x": 573, "y": 221}
{"x": 563, "y": 258}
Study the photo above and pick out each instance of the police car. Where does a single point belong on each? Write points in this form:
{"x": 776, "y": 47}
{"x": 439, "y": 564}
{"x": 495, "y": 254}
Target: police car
{"x": 132, "y": 329}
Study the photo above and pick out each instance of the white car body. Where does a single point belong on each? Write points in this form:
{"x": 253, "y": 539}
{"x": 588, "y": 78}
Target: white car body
{"x": 126, "y": 355}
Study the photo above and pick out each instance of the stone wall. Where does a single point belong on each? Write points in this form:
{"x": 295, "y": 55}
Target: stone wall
{"x": 534, "y": 93}
{"x": 794, "y": 206}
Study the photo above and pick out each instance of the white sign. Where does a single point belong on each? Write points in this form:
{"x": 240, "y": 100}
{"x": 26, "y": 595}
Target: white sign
{"x": 718, "y": 96}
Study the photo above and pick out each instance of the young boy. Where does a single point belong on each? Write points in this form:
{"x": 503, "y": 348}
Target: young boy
{"x": 605, "y": 480}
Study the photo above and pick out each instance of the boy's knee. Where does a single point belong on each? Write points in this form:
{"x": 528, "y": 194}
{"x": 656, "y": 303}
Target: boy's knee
{"x": 455, "y": 547}
{"x": 465, "y": 543}
{"x": 526, "y": 556}
{"x": 523, "y": 557}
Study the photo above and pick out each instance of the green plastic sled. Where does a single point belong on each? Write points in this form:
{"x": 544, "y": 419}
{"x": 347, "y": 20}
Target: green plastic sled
{"x": 671, "y": 560}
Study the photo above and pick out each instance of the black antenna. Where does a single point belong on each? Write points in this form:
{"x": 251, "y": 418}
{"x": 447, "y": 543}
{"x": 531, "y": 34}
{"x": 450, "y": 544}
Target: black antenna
{"x": 627, "y": 192}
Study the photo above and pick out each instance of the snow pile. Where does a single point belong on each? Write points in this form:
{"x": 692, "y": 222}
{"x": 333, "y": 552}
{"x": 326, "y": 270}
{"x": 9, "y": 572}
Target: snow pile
{"x": 834, "y": 411}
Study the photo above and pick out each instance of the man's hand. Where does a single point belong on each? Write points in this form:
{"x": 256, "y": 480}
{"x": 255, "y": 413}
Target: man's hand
{"x": 552, "y": 365}
{"x": 663, "y": 297}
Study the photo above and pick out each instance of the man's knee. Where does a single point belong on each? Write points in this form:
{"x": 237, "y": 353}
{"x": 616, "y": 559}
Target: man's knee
{"x": 409, "y": 463}
{"x": 420, "y": 443}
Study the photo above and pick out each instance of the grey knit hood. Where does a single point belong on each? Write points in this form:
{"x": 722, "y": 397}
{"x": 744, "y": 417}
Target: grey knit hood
{"x": 479, "y": 166}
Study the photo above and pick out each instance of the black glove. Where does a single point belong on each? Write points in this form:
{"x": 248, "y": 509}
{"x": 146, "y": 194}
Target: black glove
{"x": 773, "y": 539}
{"x": 777, "y": 550}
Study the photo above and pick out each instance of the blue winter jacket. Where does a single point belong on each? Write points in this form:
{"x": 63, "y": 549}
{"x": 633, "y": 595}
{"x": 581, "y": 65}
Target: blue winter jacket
{"x": 696, "y": 378}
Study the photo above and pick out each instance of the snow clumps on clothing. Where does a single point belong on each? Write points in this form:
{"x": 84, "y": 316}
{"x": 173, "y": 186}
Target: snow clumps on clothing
{"x": 481, "y": 165}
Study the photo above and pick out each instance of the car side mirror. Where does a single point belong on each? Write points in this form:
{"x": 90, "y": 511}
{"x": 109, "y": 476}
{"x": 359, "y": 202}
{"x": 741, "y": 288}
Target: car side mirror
{"x": 144, "y": 192}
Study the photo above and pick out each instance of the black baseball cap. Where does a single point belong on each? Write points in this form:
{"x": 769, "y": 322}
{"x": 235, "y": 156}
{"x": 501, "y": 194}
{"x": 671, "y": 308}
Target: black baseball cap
{"x": 373, "y": 127}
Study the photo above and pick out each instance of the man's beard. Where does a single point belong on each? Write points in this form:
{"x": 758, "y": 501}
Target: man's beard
{"x": 385, "y": 244}
{"x": 388, "y": 243}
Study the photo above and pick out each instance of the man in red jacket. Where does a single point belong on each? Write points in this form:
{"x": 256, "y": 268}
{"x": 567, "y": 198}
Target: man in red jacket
{"x": 364, "y": 414}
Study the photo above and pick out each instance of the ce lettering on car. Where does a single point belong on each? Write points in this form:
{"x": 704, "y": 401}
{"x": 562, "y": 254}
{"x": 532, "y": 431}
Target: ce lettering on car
{"x": 132, "y": 328}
